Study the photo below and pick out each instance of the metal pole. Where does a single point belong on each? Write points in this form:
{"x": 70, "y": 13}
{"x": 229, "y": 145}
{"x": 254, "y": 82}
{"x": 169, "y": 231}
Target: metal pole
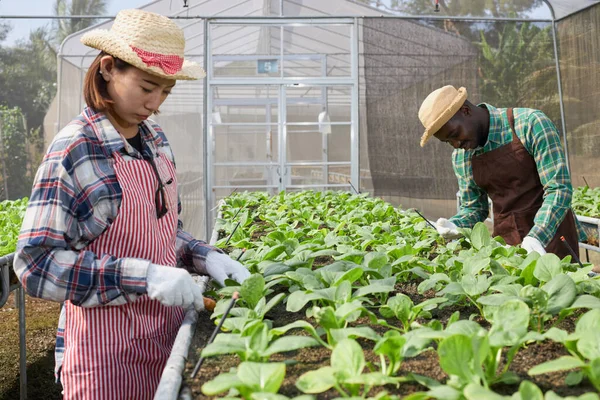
{"x": 249, "y": 18}
{"x": 58, "y": 91}
{"x": 5, "y": 263}
{"x": 22, "y": 344}
{"x": 355, "y": 127}
{"x": 560, "y": 95}
{"x": 207, "y": 177}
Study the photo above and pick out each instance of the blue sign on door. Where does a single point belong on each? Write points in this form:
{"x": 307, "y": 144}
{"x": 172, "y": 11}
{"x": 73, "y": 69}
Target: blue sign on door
{"x": 267, "y": 66}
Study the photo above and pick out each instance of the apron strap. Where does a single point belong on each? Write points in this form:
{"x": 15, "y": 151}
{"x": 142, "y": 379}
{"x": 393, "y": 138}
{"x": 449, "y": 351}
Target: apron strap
{"x": 511, "y": 121}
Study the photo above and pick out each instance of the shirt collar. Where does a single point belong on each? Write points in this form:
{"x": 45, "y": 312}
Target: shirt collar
{"x": 496, "y": 125}
{"x": 112, "y": 139}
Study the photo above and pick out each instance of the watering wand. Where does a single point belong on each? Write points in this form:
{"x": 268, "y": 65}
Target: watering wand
{"x": 235, "y": 296}
{"x": 426, "y": 220}
{"x": 573, "y": 254}
{"x": 353, "y": 188}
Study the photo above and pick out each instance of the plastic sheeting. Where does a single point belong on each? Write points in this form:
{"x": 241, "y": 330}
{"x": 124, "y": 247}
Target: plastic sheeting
{"x": 579, "y": 55}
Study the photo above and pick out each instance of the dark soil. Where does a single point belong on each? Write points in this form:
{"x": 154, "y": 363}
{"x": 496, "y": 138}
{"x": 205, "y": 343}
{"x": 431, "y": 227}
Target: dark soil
{"x": 427, "y": 363}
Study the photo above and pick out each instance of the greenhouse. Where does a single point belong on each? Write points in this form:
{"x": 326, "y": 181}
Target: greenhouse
{"x": 298, "y": 156}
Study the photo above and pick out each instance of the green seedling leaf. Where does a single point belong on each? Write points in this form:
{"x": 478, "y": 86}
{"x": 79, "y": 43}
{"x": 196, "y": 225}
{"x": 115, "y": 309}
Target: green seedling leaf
{"x": 456, "y": 353}
{"x": 225, "y": 343}
{"x": 325, "y": 317}
{"x": 473, "y": 266}
{"x": 348, "y": 359}
{"x": 496, "y": 299}
{"x": 444, "y": 392}
{"x": 589, "y": 345}
{"x": 275, "y": 252}
{"x": 221, "y": 383}
{"x": 317, "y": 381}
{"x": 298, "y": 299}
{"x": 380, "y": 286}
{"x": 556, "y": 335}
{"x": 276, "y": 269}
{"x": 262, "y": 377}
{"x": 529, "y": 391}
{"x": 474, "y": 391}
{"x": 351, "y": 276}
{"x": 290, "y": 343}
{"x": 588, "y": 323}
{"x": 594, "y": 373}
{"x": 547, "y": 267}
{"x": 465, "y": 327}
{"x": 372, "y": 379}
{"x": 588, "y": 396}
{"x": 509, "y": 323}
{"x": 574, "y": 378}
{"x": 360, "y": 331}
{"x": 561, "y": 293}
{"x": 252, "y": 289}
{"x": 560, "y": 364}
{"x": 398, "y": 306}
{"x": 473, "y": 286}
{"x": 586, "y": 301}
{"x": 480, "y": 236}
{"x": 375, "y": 260}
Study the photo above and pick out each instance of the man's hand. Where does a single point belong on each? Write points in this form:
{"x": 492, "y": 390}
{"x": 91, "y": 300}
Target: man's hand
{"x": 446, "y": 229}
{"x": 220, "y": 267}
{"x": 173, "y": 287}
{"x": 532, "y": 244}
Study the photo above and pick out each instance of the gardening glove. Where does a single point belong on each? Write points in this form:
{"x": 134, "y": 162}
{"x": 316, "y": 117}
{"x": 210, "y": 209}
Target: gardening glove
{"x": 446, "y": 229}
{"x": 220, "y": 267}
{"x": 173, "y": 287}
{"x": 532, "y": 244}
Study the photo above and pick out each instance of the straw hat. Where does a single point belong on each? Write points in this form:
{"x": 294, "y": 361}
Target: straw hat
{"x": 148, "y": 41}
{"x": 438, "y": 108}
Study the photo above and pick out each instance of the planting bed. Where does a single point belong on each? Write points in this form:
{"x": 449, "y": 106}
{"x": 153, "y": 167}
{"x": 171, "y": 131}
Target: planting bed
{"x": 586, "y": 204}
{"x": 352, "y": 297}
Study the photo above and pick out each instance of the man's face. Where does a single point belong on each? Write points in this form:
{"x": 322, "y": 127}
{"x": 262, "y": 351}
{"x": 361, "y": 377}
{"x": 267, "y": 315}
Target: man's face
{"x": 461, "y": 131}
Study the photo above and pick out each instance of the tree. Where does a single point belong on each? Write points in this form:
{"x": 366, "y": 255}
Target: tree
{"x": 16, "y": 181}
{"x": 28, "y": 80}
{"x": 62, "y": 28}
{"x": 519, "y": 69}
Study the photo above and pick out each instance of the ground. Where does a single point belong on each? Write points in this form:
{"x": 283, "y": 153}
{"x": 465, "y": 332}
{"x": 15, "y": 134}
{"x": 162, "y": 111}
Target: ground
{"x": 42, "y": 319}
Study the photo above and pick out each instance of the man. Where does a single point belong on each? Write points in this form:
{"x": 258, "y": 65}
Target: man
{"x": 512, "y": 155}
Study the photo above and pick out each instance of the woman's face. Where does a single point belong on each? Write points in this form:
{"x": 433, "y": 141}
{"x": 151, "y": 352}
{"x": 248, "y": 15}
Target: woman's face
{"x": 136, "y": 94}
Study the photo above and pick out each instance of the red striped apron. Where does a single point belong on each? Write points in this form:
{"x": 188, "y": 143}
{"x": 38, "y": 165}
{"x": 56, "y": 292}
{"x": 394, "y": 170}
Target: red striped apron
{"x": 119, "y": 352}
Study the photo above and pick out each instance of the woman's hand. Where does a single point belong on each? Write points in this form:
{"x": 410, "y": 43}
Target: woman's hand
{"x": 220, "y": 267}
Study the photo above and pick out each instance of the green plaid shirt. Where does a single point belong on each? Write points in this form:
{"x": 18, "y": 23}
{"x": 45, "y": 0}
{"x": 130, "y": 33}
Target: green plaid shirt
{"x": 542, "y": 140}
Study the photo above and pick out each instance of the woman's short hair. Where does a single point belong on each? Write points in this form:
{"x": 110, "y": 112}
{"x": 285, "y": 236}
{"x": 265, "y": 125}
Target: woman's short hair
{"x": 95, "y": 90}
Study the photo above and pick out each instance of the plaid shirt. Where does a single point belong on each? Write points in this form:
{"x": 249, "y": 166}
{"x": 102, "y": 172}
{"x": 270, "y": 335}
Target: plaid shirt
{"x": 542, "y": 140}
{"x": 75, "y": 198}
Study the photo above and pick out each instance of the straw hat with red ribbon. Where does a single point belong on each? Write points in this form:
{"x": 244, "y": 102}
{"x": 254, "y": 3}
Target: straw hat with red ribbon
{"x": 148, "y": 41}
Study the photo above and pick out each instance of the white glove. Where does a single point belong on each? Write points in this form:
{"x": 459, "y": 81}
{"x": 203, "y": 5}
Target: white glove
{"x": 220, "y": 267}
{"x": 173, "y": 287}
{"x": 446, "y": 229}
{"x": 532, "y": 244}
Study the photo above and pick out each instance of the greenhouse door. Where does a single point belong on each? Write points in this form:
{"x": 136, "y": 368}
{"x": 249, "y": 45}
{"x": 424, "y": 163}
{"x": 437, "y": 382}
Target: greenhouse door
{"x": 282, "y": 120}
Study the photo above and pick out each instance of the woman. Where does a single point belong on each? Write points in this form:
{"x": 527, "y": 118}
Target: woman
{"x": 101, "y": 232}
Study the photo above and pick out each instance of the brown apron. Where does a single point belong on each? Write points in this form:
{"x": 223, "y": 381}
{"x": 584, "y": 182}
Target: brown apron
{"x": 510, "y": 177}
